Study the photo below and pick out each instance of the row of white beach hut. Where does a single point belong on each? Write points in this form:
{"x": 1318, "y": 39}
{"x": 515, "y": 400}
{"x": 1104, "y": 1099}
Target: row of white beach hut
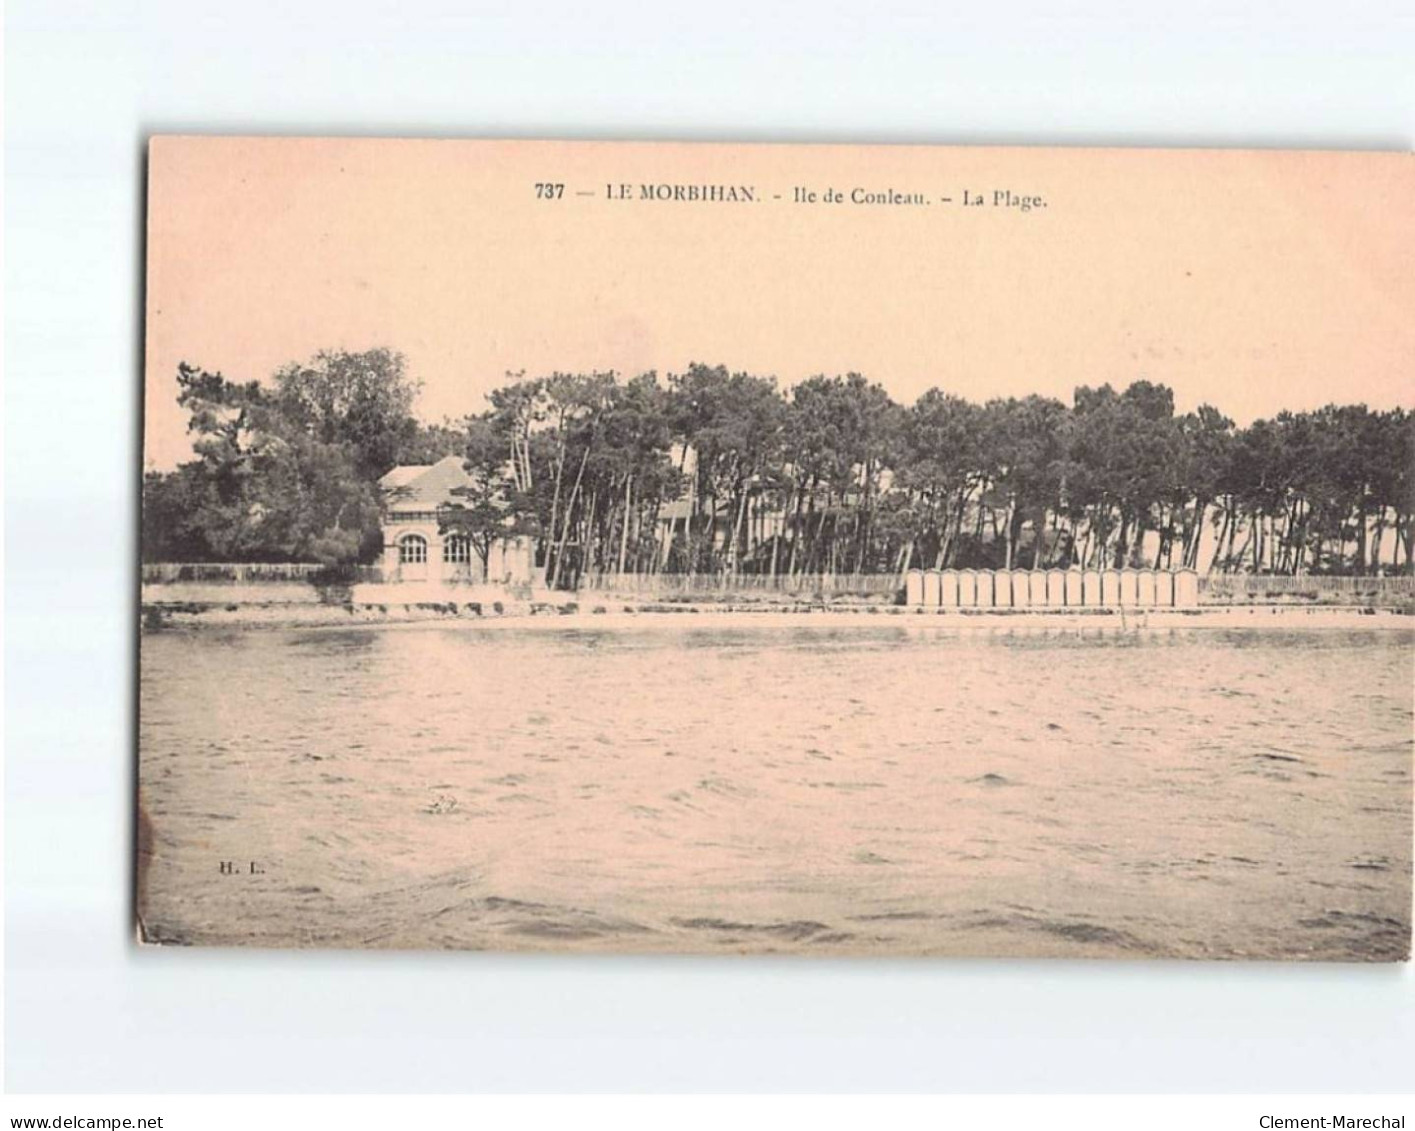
{"x": 1052, "y": 589}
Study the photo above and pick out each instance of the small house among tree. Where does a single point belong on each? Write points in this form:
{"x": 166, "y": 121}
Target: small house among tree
{"x": 423, "y": 541}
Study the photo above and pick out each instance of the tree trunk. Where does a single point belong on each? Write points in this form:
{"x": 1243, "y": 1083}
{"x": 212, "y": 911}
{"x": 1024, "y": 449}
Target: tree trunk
{"x": 1375, "y": 564}
{"x": 590, "y": 539}
{"x": 1121, "y": 543}
{"x": 1011, "y": 531}
{"x": 689, "y": 544}
{"x": 565, "y": 527}
{"x": 734, "y": 561}
{"x": 1361, "y": 534}
{"x": 796, "y": 531}
{"x": 624, "y": 534}
{"x": 559, "y": 474}
{"x": 1194, "y": 537}
{"x": 1232, "y": 556}
{"x": 1236, "y": 561}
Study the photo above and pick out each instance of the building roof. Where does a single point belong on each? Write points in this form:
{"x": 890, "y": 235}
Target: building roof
{"x": 427, "y": 487}
{"x": 402, "y": 476}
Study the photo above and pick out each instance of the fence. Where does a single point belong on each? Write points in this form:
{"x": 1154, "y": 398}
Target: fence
{"x": 1237, "y": 587}
{"x": 167, "y": 573}
{"x": 827, "y": 584}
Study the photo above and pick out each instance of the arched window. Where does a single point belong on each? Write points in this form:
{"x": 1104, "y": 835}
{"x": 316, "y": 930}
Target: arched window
{"x": 457, "y": 549}
{"x": 412, "y": 549}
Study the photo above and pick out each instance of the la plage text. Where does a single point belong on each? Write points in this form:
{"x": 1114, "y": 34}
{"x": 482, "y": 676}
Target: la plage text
{"x": 1330, "y": 1122}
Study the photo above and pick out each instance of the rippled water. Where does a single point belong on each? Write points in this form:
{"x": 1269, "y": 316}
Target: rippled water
{"x": 813, "y": 788}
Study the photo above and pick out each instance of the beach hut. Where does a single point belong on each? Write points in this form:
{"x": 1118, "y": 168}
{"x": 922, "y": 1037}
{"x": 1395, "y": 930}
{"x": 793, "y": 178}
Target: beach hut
{"x": 1186, "y": 589}
{"x": 967, "y": 588}
{"x": 1075, "y": 598}
{"x": 914, "y": 588}
{"x": 1091, "y": 589}
{"x": 1021, "y": 585}
{"x": 1164, "y": 589}
{"x": 1145, "y": 589}
{"x": 1110, "y": 588}
{"x": 987, "y": 588}
{"x": 1130, "y": 588}
{"x": 1056, "y": 596}
{"x": 948, "y": 592}
{"x": 931, "y": 589}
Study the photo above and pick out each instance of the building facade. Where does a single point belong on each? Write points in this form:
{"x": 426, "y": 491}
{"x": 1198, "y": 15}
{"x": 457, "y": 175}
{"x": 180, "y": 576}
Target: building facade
{"x": 419, "y": 548}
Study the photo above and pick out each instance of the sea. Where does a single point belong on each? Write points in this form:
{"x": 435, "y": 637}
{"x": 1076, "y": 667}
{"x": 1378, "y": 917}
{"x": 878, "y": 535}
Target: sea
{"x": 688, "y": 784}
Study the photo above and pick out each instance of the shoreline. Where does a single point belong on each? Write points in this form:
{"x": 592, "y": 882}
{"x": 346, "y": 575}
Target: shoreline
{"x": 199, "y": 617}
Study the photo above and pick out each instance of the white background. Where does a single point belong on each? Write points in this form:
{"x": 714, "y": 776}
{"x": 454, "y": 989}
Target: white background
{"x": 86, "y": 82}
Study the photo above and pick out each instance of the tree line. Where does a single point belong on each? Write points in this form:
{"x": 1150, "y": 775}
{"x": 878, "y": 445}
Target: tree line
{"x": 722, "y": 472}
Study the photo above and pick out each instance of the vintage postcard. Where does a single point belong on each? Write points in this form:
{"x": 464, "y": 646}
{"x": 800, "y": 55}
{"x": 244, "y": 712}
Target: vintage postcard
{"x": 804, "y": 549}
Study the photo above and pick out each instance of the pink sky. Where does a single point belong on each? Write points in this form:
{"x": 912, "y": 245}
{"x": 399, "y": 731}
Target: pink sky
{"x": 1253, "y": 280}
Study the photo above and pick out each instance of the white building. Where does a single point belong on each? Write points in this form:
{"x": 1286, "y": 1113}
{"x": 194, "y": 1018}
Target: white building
{"x": 417, "y": 548}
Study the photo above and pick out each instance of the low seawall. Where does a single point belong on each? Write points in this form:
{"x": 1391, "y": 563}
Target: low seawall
{"x": 242, "y": 593}
{"x": 194, "y": 600}
{"x": 280, "y": 603}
